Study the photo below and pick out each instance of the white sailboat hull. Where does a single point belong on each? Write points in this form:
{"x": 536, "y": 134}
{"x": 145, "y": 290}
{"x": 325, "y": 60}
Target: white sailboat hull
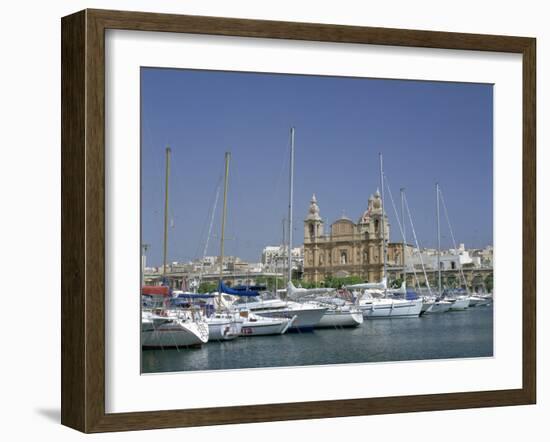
{"x": 426, "y": 305}
{"x": 439, "y": 307}
{"x": 305, "y": 318}
{"x": 392, "y": 308}
{"x": 460, "y": 304}
{"x": 485, "y": 300}
{"x": 224, "y": 329}
{"x": 475, "y": 301}
{"x": 340, "y": 318}
{"x": 173, "y": 333}
{"x": 254, "y": 326}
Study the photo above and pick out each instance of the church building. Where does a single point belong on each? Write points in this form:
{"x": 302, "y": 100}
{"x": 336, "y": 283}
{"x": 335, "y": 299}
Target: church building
{"x": 349, "y": 249}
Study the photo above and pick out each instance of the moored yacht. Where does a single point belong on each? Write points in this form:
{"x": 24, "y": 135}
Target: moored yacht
{"x": 459, "y": 303}
{"x": 162, "y": 326}
{"x": 459, "y": 298}
{"x": 340, "y": 312}
{"x": 486, "y": 299}
{"x": 339, "y": 316}
{"x": 431, "y": 305}
{"x": 254, "y": 325}
{"x": 160, "y": 330}
{"x": 475, "y": 300}
{"x": 378, "y": 303}
{"x": 306, "y": 315}
{"x": 386, "y": 307}
{"x": 224, "y": 326}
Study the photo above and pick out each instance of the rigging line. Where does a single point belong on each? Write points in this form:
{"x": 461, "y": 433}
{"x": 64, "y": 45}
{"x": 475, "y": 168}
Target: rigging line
{"x": 212, "y": 215}
{"x": 401, "y": 227}
{"x": 453, "y": 239}
{"x": 417, "y": 244}
{"x": 276, "y": 196}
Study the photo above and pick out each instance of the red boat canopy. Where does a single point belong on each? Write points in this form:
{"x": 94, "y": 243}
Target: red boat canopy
{"x": 155, "y": 290}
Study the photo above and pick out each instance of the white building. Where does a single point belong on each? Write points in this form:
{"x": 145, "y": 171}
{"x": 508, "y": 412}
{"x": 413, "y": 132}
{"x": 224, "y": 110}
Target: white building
{"x": 451, "y": 259}
{"x": 275, "y": 258}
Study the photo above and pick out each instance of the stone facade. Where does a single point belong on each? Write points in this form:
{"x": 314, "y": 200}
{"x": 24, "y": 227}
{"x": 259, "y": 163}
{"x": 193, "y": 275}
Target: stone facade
{"x": 349, "y": 249}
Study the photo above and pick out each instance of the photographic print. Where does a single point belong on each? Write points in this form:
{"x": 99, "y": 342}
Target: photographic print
{"x": 300, "y": 220}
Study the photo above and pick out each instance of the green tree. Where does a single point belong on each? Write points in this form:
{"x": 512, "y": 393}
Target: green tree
{"x": 489, "y": 282}
{"x": 451, "y": 281}
{"x": 207, "y": 287}
{"x": 396, "y": 283}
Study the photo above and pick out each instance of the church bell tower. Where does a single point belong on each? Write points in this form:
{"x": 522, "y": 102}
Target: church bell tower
{"x": 313, "y": 224}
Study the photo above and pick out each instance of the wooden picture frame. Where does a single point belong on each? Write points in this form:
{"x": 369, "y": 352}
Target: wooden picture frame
{"x": 83, "y": 220}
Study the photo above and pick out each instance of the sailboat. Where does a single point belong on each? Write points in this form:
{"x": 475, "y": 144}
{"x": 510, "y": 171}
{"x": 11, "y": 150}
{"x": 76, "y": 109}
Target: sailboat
{"x": 339, "y": 314}
{"x": 304, "y": 316}
{"x": 307, "y": 315}
{"x": 224, "y": 325}
{"x": 460, "y": 301}
{"x": 430, "y": 303}
{"x": 438, "y": 304}
{"x": 375, "y": 303}
{"x": 229, "y": 322}
{"x": 161, "y": 325}
{"x": 253, "y": 323}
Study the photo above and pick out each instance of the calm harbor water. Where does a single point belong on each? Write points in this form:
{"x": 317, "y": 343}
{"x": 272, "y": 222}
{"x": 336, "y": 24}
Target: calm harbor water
{"x": 462, "y": 334}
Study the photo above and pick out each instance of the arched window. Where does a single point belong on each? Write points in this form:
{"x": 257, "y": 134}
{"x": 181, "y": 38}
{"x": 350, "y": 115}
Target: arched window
{"x": 311, "y": 231}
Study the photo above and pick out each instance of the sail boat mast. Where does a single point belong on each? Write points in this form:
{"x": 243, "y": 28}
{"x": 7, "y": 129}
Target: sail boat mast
{"x": 438, "y": 239}
{"x": 402, "y": 190}
{"x": 384, "y": 250}
{"x": 222, "y": 242}
{"x": 165, "y": 245}
{"x": 290, "y": 198}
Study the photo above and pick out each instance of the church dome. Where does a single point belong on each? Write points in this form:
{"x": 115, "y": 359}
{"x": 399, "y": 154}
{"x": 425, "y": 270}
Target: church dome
{"x": 344, "y": 217}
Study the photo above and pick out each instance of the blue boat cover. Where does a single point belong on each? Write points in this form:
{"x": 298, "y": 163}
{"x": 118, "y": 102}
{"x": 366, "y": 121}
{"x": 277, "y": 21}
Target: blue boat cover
{"x": 254, "y": 288}
{"x": 222, "y": 288}
{"x": 411, "y": 295}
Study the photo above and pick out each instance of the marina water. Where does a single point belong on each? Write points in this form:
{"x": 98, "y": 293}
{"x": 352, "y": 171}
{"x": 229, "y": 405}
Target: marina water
{"x": 462, "y": 334}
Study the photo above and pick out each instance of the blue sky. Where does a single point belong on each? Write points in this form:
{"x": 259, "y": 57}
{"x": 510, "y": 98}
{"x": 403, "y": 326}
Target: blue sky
{"x": 426, "y": 131}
